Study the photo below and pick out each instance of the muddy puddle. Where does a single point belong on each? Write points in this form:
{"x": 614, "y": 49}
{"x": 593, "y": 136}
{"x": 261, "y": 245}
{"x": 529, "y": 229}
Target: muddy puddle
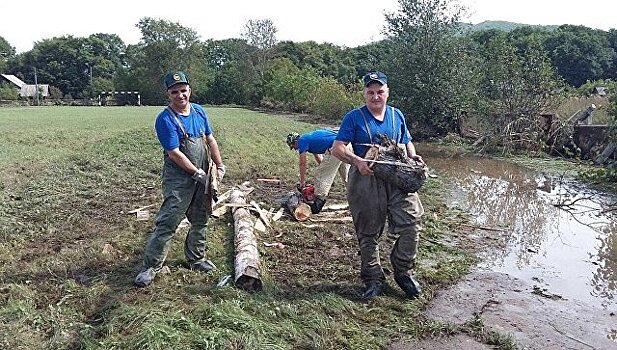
{"x": 558, "y": 234}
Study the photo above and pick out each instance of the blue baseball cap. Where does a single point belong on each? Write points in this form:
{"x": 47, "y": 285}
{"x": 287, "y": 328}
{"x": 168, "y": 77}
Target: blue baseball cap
{"x": 376, "y": 76}
{"x": 173, "y": 78}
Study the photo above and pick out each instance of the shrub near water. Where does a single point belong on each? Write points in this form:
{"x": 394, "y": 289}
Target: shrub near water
{"x": 69, "y": 251}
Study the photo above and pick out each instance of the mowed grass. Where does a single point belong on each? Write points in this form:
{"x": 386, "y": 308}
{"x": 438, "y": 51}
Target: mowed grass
{"x": 69, "y": 250}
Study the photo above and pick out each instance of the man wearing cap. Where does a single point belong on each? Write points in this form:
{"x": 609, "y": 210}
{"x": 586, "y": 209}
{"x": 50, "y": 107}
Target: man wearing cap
{"x": 318, "y": 142}
{"x": 372, "y": 200}
{"x": 191, "y": 161}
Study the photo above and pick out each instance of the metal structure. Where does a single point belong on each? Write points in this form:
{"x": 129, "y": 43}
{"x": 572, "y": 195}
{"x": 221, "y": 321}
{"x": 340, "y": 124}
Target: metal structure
{"x": 103, "y": 95}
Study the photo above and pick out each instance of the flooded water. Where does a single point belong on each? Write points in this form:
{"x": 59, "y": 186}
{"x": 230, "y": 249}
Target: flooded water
{"x": 560, "y": 236}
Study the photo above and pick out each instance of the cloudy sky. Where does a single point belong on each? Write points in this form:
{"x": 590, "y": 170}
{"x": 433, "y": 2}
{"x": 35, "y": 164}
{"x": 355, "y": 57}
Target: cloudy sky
{"x": 341, "y": 22}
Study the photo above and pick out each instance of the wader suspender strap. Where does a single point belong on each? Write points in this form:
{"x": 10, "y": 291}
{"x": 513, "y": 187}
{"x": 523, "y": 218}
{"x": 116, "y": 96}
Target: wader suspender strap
{"x": 368, "y": 129}
{"x": 393, "y": 129}
{"x": 179, "y": 122}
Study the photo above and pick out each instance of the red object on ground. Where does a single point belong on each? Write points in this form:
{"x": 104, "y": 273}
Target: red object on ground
{"x": 308, "y": 193}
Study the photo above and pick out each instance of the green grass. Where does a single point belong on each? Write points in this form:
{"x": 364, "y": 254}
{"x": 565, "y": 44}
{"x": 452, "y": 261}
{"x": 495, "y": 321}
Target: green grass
{"x": 69, "y": 175}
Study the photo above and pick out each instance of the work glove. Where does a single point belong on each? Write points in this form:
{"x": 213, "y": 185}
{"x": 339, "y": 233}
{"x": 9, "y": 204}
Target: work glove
{"x": 200, "y": 176}
{"x": 220, "y": 171}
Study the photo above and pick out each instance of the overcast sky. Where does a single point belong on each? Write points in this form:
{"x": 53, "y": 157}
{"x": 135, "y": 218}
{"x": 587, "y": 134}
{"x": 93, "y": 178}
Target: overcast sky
{"x": 341, "y": 22}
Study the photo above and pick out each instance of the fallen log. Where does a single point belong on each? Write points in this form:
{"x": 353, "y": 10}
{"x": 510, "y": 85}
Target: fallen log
{"x": 605, "y": 155}
{"x": 246, "y": 263}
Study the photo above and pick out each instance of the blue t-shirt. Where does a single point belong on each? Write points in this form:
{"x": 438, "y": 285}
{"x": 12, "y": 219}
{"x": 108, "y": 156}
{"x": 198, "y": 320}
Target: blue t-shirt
{"x": 169, "y": 132}
{"x": 316, "y": 142}
{"x": 353, "y": 128}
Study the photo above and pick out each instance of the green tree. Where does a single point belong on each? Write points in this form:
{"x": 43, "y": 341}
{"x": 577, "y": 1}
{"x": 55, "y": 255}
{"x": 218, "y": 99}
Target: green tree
{"x": 164, "y": 46}
{"x": 518, "y": 85}
{"x": 260, "y": 33}
{"x": 326, "y": 59}
{"x": 580, "y": 53}
{"x": 6, "y": 52}
{"x": 233, "y": 77}
{"x": 432, "y": 75}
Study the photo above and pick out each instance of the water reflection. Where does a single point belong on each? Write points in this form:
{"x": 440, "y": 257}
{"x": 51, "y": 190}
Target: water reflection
{"x": 559, "y": 234}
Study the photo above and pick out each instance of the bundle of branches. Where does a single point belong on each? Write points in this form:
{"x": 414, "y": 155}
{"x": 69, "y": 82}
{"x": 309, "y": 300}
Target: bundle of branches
{"x": 391, "y": 164}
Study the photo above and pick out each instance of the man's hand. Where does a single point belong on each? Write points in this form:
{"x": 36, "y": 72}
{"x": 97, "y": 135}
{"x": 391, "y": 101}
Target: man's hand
{"x": 200, "y": 176}
{"x": 300, "y": 186}
{"x": 417, "y": 158}
{"x": 221, "y": 170}
{"x": 363, "y": 167}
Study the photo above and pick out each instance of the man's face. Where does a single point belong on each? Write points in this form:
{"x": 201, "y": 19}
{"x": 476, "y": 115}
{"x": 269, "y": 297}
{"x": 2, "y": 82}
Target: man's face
{"x": 376, "y": 96}
{"x": 179, "y": 95}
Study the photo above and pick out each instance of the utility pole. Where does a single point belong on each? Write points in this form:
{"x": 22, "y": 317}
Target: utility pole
{"x": 91, "y": 87}
{"x": 36, "y": 86}
{"x": 89, "y": 72}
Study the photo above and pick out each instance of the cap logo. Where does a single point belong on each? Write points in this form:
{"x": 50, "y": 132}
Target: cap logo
{"x": 373, "y": 76}
{"x": 176, "y": 77}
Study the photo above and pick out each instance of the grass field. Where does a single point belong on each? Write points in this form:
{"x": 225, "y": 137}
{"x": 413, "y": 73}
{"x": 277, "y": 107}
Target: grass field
{"x": 69, "y": 251}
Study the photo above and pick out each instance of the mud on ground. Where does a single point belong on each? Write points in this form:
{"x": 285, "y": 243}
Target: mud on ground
{"x": 530, "y": 317}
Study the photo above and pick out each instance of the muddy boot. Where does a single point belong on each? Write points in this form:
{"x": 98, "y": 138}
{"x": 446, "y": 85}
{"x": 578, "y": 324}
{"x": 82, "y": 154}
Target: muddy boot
{"x": 145, "y": 277}
{"x": 373, "y": 289}
{"x": 202, "y": 266}
{"x": 409, "y": 285}
{"x": 317, "y": 205}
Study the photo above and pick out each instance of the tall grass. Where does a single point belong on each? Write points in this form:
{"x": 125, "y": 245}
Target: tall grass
{"x": 69, "y": 250}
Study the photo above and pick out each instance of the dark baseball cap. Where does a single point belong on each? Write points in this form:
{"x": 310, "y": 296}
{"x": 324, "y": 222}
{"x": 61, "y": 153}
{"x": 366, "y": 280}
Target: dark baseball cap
{"x": 173, "y": 78}
{"x": 376, "y": 76}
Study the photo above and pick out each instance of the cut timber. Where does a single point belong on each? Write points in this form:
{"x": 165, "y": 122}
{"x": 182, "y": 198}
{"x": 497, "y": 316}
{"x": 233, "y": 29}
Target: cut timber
{"x": 269, "y": 181}
{"x": 300, "y": 210}
{"x": 246, "y": 263}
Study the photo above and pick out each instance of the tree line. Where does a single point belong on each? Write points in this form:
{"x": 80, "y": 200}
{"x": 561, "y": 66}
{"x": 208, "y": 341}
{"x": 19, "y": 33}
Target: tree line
{"x": 439, "y": 72}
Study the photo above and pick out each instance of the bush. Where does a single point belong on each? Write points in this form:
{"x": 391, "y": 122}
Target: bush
{"x": 8, "y": 92}
{"x": 332, "y": 100}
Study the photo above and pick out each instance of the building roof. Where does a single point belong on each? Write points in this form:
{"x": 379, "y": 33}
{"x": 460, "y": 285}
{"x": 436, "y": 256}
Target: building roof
{"x": 13, "y": 79}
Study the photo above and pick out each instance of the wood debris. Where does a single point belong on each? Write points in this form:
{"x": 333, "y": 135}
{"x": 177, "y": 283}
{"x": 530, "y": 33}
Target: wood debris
{"x": 278, "y": 215}
{"x": 275, "y": 244}
{"x": 270, "y": 181}
{"x": 135, "y": 211}
{"x": 263, "y": 214}
{"x": 343, "y": 219}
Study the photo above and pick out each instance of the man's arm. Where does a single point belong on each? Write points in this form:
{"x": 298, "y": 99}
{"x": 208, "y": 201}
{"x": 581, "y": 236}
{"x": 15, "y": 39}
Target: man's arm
{"x": 411, "y": 153}
{"x": 183, "y": 162}
{"x": 302, "y": 164}
{"x": 318, "y": 158}
{"x": 340, "y": 151}
{"x": 215, "y": 153}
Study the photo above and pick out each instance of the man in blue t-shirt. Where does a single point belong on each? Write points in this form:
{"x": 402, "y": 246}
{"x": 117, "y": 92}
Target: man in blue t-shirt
{"x": 191, "y": 165}
{"x": 318, "y": 143}
{"x": 372, "y": 200}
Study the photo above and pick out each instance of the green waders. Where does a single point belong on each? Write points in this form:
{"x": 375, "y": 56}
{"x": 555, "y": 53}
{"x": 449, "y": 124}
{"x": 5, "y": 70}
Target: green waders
{"x": 372, "y": 201}
{"x": 182, "y": 196}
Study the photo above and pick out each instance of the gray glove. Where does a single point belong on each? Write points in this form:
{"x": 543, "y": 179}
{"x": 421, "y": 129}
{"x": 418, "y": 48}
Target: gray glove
{"x": 221, "y": 170}
{"x": 200, "y": 176}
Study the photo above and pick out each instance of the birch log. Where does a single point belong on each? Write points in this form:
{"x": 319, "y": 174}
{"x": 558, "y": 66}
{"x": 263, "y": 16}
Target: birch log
{"x": 246, "y": 262}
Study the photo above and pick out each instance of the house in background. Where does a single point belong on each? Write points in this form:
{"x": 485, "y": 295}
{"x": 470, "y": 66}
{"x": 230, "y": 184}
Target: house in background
{"x": 600, "y": 91}
{"x": 26, "y": 90}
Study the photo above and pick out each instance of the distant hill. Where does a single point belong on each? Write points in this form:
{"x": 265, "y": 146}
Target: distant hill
{"x": 504, "y": 26}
